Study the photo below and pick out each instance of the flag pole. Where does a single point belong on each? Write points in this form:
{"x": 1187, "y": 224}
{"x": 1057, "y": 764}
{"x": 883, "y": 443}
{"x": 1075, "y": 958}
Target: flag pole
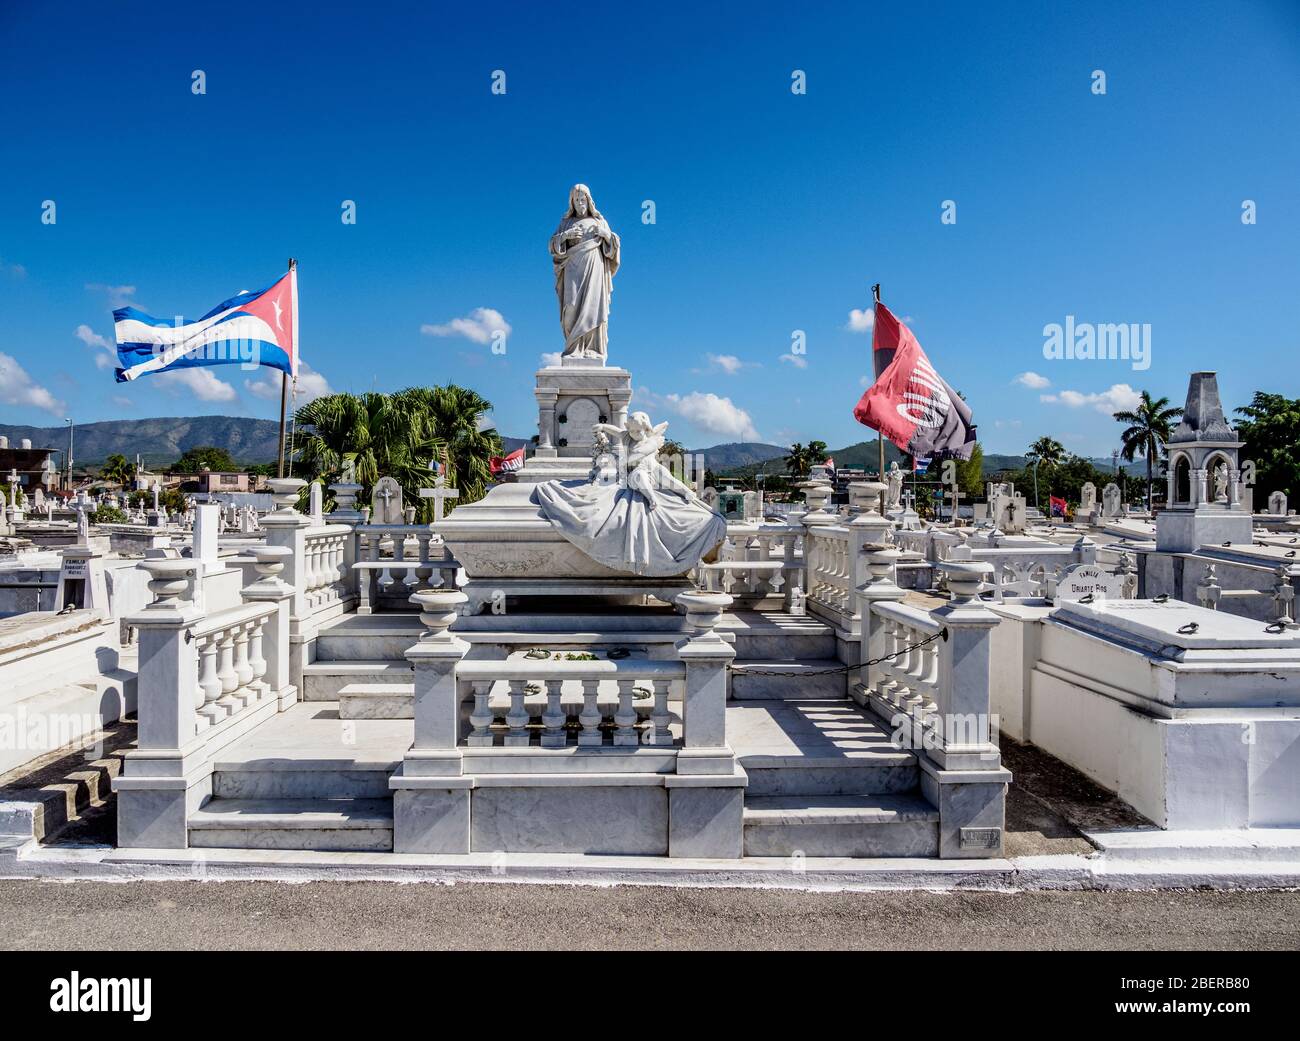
{"x": 284, "y": 398}
{"x": 880, "y": 438}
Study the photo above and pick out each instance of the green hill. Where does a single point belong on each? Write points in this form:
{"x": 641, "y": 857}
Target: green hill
{"x": 158, "y": 441}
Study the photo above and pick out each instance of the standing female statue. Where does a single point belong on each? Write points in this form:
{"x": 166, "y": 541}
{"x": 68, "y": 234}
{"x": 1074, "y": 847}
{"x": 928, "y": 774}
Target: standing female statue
{"x": 585, "y": 253}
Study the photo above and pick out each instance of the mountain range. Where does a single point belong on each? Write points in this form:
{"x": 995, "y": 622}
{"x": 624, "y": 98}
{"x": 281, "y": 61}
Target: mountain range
{"x": 163, "y": 440}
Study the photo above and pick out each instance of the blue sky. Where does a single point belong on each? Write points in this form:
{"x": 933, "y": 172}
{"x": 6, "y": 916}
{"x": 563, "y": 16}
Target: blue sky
{"x": 775, "y": 211}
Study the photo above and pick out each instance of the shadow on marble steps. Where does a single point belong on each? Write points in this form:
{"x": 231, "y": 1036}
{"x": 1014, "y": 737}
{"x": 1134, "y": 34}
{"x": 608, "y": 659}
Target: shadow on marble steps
{"x": 782, "y": 680}
{"x": 355, "y": 825}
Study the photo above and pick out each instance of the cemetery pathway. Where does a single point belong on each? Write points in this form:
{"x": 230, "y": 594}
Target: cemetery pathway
{"x": 37, "y": 915}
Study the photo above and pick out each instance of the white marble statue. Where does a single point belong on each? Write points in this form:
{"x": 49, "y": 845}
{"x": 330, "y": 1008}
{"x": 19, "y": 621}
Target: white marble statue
{"x": 895, "y": 479}
{"x": 632, "y": 514}
{"x": 586, "y": 256}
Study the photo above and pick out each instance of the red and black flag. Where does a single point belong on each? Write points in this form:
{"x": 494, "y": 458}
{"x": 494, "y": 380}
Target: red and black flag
{"x": 910, "y": 403}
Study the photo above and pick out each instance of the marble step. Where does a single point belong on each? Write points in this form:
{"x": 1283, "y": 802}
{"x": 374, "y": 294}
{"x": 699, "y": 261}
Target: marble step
{"x": 783, "y": 641}
{"x": 817, "y": 746}
{"x": 841, "y": 826}
{"x": 322, "y": 680}
{"x": 302, "y": 824}
{"x": 289, "y": 778}
{"x": 377, "y": 701}
{"x": 759, "y": 680}
{"x": 368, "y": 637}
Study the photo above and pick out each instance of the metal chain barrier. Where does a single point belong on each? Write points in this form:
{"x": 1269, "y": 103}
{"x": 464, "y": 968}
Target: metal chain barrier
{"x": 748, "y": 671}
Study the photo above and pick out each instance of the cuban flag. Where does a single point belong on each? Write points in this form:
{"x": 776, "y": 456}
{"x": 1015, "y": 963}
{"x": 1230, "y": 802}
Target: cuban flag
{"x": 250, "y": 329}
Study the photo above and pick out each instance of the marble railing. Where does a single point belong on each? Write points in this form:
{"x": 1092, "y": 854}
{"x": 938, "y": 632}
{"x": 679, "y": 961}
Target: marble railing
{"x": 323, "y": 573}
{"x": 757, "y": 561}
{"x": 400, "y": 559}
{"x": 204, "y": 681}
{"x": 1281, "y": 593}
{"x": 831, "y": 570}
{"x": 928, "y": 672}
{"x": 557, "y": 703}
{"x": 231, "y": 670}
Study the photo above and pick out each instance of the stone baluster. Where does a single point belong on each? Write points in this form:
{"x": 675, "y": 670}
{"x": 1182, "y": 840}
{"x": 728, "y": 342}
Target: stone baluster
{"x": 256, "y": 660}
{"x": 590, "y": 735}
{"x": 517, "y": 715}
{"x": 553, "y": 717}
{"x": 226, "y": 670}
{"x": 243, "y": 668}
{"x": 286, "y": 527}
{"x": 660, "y": 718}
{"x": 209, "y": 682}
{"x": 706, "y": 656}
{"x": 481, "y": 716}
{"x": 793, "y": 580}
{"x": 625, "y": 715}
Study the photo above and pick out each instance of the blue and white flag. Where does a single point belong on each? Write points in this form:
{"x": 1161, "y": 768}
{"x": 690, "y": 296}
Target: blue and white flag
{"x": 250, "y": 329}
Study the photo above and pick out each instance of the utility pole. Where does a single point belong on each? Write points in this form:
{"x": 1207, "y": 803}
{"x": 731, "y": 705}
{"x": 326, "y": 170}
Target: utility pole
{"x": 71, "y": 427}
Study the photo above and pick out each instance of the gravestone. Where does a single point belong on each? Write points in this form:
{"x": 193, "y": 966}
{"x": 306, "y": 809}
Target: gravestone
{"x": 386, "y": 502}
{"x": 1080, "y": 580}
{"x": 1277, "y": 503}
{"x": 1111, "y": 501}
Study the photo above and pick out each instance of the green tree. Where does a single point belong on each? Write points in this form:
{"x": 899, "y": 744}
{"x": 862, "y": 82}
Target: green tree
{"x": 1146, "y": 434}
{"x": 1047, "y": 451}
{"x": 401, "y": 436}
{"x": 196, "y": 459}
{"x": 1271, "y": 430}
{"x": 802, "y": 458}
{"x": 118, "y": 469}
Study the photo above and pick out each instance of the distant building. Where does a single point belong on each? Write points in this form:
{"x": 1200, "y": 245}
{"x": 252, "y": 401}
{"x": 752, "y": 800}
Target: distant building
{"x": 213, "y": 482}
{"x": 35, "y": 466}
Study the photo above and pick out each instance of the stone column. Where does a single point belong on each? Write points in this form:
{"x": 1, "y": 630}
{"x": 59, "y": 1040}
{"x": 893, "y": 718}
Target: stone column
{"x": 285, "y": 527}
{"x": 619, "y": 400}
{"x": 706, "y": 795}
{"x": 546, "y": 398}
{"x": 1234, "y": 489}
{"x": 867, "y": 528}
{"x": 1200, "y": 493}
{"x": 271, "y": 589}
{"x": 706, "y": 656}
{"x": 431, "y": 798}
{"x": 153, "y": 789}
{"x": 963, "y": 774}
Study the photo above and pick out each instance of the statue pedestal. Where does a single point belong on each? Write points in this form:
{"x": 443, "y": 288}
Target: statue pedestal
{"x": 571, "y": 398}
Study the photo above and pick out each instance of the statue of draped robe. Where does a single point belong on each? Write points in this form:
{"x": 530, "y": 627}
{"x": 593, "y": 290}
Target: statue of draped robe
{"x": 585, "y": 253}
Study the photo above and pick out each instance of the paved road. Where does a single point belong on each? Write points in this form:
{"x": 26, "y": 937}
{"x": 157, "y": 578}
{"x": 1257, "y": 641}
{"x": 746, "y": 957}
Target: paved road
{"x": 376, "y": 915}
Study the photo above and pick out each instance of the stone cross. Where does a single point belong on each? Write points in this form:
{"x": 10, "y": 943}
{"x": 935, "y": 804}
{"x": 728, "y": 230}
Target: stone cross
{"x": 13, "y": 489}
{"x": 1277, "y": 503}
{"x": 439, "y": 493}
{"x": 155, "y": 498}
{"x": 82, "y": 505}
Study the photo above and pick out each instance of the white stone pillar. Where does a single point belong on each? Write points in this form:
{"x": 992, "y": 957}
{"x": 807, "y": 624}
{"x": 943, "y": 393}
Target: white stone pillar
{"x": 271, "y": 589}
{"x": 152, "y": 791}
{"x": 879, "y": 587}
{"x": 704, "y": 706}
{"x": 431, "y": 798}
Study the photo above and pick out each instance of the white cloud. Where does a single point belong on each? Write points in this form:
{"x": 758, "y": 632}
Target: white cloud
{"x": 121, "y": 401}
{"x": 707, "y": 412}
{"x": 480, "y": 325}
{"x": 106, "y": 354}
{"x": 1117, "y": 398}
{"x": 550, "y": 359}
{"x": 198, "y": 381}
{"x": 1032, "y": 380}
{"x": 1004, "y": 423}
{"x": 118, "y": 296}
{"x": 13, "y": 270}
{"x": 799, "y": 361}
{"x": 311, "y": 385}
{"x": 728, "y": 363}
{"x": 18, "y": 388}
{"x": 861, "y": 321}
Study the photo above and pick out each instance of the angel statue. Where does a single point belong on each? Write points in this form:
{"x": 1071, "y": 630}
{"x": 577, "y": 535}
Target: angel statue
{"x": 633, "y": 514}
{"x": 585, "y": 253}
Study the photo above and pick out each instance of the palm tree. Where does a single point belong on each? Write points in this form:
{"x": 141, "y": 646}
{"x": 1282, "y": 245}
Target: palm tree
{"x": 402, "y": 436}
{"x": 1147, "y": 432}
{"x": 118, "y": 469}
{"x": 1047, "y": 451}
{"x": 802, "y": 458}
